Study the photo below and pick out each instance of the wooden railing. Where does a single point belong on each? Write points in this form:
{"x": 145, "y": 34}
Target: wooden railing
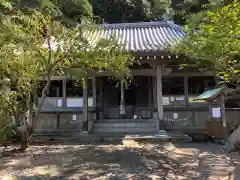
{"x": 174, "y": 100}
{"x": 75, "y": 102}
{"x": 179, "y": 101}
{"x": 57, "y": 102}
{"x": 51, "y": 102}
{"x": 185, "y": 119}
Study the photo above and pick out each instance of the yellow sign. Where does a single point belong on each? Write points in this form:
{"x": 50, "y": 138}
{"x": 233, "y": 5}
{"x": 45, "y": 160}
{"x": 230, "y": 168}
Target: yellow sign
{"x": 191, "y": 100}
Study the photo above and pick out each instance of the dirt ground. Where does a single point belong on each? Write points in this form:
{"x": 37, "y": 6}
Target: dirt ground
{"x": 128, "y": 160}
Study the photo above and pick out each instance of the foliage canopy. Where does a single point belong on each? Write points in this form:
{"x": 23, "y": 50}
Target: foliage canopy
{"x": 33, "y": 44}
{"x": 215, "y": 42}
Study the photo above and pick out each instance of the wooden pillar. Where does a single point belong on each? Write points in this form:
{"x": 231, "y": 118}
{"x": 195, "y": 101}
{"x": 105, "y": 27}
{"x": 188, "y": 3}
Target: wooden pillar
{"x": 150, "y": 92}
{"x": 122, "y": 101}
{"x": 85, "y": 105}
{"x": 35, "y": 96}
{"x": 94, "y": 92}
{"x": 186, "y": 94}
{"x": 154, "y": 92}
{"x": 58, "y": 92}
{"x": 64, "y": 93}
{"x": 101, "y": 113}
{"x": 223, "y": 114}
{"x": 58, "y": 121}
{"x": 159, "y": 93}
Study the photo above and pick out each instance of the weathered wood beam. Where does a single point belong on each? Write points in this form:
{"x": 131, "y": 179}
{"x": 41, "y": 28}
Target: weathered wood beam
{"x": 35, "y": 95}
{"x": 186, "y": 94}
{"x": 101, "y": 99}
{"x": 152, "y": 72}
{"x": 94, "y": 92}
{"x": 135, "y": 72}
{"x": 122, "y": 100}
{"x": 64, "y": 92}
{"x": 85, "y": 105}
{"x": 153, "y": 53}
{"x": 154, "y": 92}
{"x": 58, "y": 78}
{"x": 223, "y": 113}
{"x": 150, "y": 91}
{"x": 159, "y": 93}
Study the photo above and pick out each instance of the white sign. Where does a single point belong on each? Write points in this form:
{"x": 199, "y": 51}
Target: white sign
{"x": 74, "y": 117}
{"x": 90, "y": 101}
{"x": 165, "y": 100}
{"x": 216, "y": 112}
{"x": 175, "y": 115}
{"x": 59, "y": 103}
{"x": 75, "y": 102}
{"x": 172, "y": 98}
{"x": 180, "y": 98}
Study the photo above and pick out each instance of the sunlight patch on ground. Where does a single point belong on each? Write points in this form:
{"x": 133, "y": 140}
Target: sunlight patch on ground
{"x": 129, "y": 160}
{"x": 132, "y": 144}
{"x": 46, "y": 170}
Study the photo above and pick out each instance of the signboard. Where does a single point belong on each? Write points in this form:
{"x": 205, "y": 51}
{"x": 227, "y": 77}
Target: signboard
{"x": 78, "y": 102}
{"x": 216, "y": 112}
{"x": 175, "y": 115}
{"x": 166, "y": 101}
{"x": 75, "y": 102}
{"x": 59, "y": 103}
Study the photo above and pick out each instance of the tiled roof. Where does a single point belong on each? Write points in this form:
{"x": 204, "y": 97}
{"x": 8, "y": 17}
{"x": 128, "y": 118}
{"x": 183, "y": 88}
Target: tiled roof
{"x": 135, "y": 37}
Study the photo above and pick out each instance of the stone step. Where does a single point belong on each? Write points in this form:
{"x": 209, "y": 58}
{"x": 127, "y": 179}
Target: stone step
{"x": 128, "y": 121}
{"x": 124, "y": 130}
{"x": 124, "y": 125}
{"x": 111, "y": 137}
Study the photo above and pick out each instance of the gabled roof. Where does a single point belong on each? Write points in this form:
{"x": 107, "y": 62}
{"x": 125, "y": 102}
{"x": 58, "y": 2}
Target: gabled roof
{"x": 210, "y": 94}
{"x": 139, "y": 37}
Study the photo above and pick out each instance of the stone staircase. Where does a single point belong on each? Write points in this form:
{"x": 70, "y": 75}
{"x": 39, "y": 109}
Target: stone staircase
{"x": 127, "y": 126}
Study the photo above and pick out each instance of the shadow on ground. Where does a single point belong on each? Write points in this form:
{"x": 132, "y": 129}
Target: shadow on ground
{"x": 130, "y": 160}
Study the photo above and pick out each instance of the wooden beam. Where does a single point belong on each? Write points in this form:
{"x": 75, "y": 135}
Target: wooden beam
{"x": 223, "y": 113}
{"x": 122, "y": 100}
{"x": 154, "y": 92}
{"x": 94, "y": 92}
{"x": 101, "y": 113}
{"x": 152, "y": 72}
{"x": 150, "y": 91}
{"x": 153, "y": 53}
{"x": 134, "y": 72}
{"x": 58, "y": 121}
{"x": 64, "y": 92}
{"x": 58, "y": 78}
{"x": 186, "y": 94}
{"x": 159, "y": 93}
{"x": 85, "y": 105}
{"x": 35, "y": 95}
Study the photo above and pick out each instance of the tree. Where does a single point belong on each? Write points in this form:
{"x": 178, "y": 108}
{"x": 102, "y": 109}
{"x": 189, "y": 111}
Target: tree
{"x": 215, "y": 42}
{"x": 69, "y": 12}
{"x": 119, "y": 11}
{"x": 35, "y": 45}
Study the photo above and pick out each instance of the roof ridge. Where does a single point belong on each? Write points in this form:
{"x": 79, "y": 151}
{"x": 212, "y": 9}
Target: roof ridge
{"x": 140, "y": 25}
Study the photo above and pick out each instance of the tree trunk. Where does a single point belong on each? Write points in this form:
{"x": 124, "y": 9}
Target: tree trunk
{"x": 27, "y": 130}
{"x": 24, "y": 131}
{"x": 24, "y": 137}
{"x": 39, "y": 106}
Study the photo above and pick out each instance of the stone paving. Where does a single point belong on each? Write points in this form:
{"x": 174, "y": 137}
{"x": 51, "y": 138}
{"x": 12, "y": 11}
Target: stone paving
{"x": 128, "y": 160}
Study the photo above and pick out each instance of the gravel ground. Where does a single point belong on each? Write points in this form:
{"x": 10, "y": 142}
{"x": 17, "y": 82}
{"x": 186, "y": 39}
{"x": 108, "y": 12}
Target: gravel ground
{"x": 128, "y": 160}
